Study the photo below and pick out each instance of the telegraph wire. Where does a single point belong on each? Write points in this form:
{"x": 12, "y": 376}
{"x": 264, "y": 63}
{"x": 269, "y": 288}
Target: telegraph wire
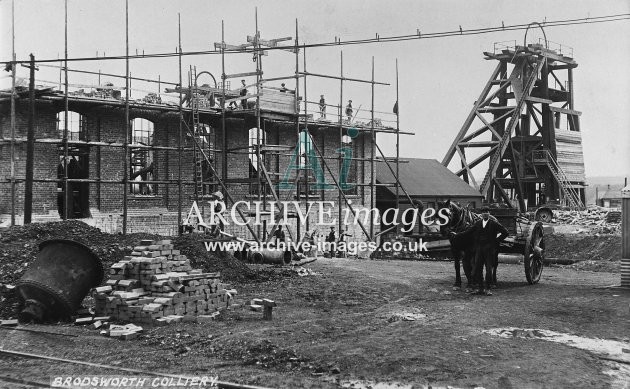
{"x": 378, "y": 39}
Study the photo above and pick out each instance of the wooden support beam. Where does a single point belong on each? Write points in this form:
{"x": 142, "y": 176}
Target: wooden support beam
{"x": 462, "y": 131}
{"x": 477, "y": 161}
{"x": 494, "y": 94}
{"x": 246, "y": 74}
{"x": 467, "y": 168}
{"x": 484, "y": 128}
{"x": 493, "y": 109}
{"x": 242, "y": 98}
{"x": 538, "y": 100}
{"x": 478, "y": 144}
{"x": 532, "y": 114}
{"x": 565, "y": 111}
{"x": 488, "y": 125}
{"x": 502, "y": 192}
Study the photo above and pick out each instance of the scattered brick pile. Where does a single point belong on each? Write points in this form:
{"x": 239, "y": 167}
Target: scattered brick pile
{"x": 156, "y": 285}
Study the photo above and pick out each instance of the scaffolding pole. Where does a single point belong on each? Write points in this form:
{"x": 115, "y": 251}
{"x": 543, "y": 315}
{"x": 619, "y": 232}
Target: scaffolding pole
{"x": 179, "y": 137}
{"x": 259, "y": 136}
{"x": 223, "y": 133}
{"x": 66, "y": 187}
{"x": 372, "y": 170}
{"x": 340, "y": 160}
{"x": 310, "y": 140}
{"x": 127, "y": 135}
{"x": 12, "y": 149}
{"x": 365, "y": 231}
{"x": 397, "y": 145}
{"x": 30, "y": 145}
{"x": 297, "y": 117}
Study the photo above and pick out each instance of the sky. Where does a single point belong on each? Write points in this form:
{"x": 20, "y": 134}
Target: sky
{"x": 439, "y": 79}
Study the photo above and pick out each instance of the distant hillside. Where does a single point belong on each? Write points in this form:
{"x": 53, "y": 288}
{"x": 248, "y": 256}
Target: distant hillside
{"x": 600, "y": 185}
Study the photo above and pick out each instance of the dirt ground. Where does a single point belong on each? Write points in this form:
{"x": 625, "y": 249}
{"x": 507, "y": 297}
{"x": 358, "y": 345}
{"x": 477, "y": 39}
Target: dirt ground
{"x": 352, "y": 324}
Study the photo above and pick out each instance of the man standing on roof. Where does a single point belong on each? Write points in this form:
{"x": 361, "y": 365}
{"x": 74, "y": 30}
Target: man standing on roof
{"x": 322, "y": 107}
{"x": 243, "y": 93}
{"x": 349, "y": 110}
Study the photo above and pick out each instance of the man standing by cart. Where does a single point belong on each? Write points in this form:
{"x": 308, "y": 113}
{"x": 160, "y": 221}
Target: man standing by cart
{"x": 487, "y": 234}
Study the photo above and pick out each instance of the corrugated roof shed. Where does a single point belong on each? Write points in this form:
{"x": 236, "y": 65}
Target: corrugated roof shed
{"x": 425, "y": 177}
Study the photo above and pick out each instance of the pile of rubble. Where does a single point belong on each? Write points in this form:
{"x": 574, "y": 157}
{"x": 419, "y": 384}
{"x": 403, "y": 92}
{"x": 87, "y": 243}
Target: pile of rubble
{"x": 593, "y": 219}
{"x": 156, "y": 285}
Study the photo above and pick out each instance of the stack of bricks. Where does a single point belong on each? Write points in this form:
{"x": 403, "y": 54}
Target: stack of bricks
{"x": 156, "y": 285}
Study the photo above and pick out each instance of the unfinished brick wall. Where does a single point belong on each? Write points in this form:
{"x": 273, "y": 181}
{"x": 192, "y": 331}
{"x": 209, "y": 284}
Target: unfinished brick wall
{"x": 44, "y": 164}
{"x": 158, "y": 212}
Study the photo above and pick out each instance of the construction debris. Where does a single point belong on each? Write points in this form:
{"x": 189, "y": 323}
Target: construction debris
{"x": 156, "y": 285}
{"x": 594, "y": 219}
{"x": 303, "y": 272}
{"x": 124, "y": 332}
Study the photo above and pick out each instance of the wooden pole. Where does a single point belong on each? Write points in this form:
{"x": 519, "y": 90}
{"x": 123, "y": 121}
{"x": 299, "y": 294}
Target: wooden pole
{"x": 297, "y": 119}
{"x": 30, "y": 146}
{"x": 66, "y": 186}
{"x": 625, "y": 237}
{"x": 308, "y": 135}
{"x": 12, "y": 148}
{"x": 180, "y": 135}
{"x": 340, "y": 160}
{"x": 260, "y": 141}
{"x": 397, "y": 145}
{"x": 372, "y": 170}
{"x": 223, "y": 133}
{"x": 127, "y": 135}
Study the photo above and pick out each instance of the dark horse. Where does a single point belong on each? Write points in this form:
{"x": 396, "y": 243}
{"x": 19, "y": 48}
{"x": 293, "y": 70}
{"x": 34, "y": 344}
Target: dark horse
{"x": 462, "y": 242}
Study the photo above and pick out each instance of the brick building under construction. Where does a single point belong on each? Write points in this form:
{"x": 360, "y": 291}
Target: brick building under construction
{"x": 136, "y": 165}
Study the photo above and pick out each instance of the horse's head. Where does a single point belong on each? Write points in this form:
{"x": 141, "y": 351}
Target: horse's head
{"x": 453, "y": 211}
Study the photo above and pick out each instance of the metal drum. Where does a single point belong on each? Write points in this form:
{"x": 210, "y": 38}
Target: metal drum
{"x": 55, "y": 284}
{"x": 273, "y": 257}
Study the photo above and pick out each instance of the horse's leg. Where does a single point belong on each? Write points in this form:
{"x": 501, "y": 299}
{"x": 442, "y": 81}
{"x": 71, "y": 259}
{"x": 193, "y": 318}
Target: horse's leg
{"x": 458, "y": 277}
{"x": 467, "y": 263}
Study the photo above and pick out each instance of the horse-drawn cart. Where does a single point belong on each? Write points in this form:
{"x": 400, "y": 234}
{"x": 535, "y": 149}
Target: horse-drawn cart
{"x": 526, "y": 238}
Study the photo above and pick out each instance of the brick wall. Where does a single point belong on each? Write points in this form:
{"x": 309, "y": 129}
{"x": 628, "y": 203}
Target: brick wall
{"x": 159, "y": 212}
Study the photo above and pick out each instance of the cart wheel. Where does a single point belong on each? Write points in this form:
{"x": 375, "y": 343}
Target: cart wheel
{"x": 544, "y": 215}
{"x": 534, "y": 254}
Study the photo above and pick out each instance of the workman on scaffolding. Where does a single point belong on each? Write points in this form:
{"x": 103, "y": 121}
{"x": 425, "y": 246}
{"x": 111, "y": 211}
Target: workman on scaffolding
{"x": 349, "y": 111}
{"x": 322, "y": 107}
{"x": 243, "y": 93}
